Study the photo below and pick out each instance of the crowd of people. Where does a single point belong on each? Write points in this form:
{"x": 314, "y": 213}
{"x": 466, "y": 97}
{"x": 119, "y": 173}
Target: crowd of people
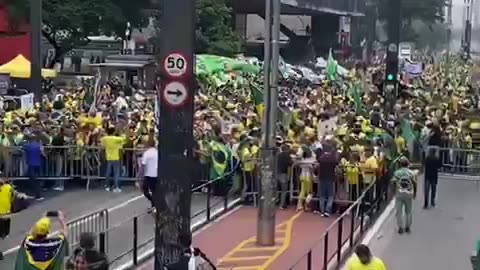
{"x": 335, "y": 138}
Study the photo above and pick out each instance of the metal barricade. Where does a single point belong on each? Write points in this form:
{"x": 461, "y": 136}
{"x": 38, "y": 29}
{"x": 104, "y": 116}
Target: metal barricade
{"x": 459, "y": 161}
{"x": 70, "y": 162}
{"x": 459, "y": 164}
{"x": 95, "y": 223}
{"x": 344, "y": 191}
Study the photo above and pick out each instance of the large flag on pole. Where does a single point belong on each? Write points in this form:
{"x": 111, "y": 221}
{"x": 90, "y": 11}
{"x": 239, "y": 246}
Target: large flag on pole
{"x": 357, "y": 98}
{"x": 331, "y": 68}
{"x": 257, "y": 97}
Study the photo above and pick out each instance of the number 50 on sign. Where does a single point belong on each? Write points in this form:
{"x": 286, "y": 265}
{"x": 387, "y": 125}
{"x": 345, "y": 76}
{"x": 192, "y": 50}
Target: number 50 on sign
{"x": 175, "y": 65}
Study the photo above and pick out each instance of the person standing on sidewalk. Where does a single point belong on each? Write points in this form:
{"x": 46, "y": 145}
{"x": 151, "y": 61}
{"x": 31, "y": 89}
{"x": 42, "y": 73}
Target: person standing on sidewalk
{"x": 364, "y": 260}
{"x": 432, "y": 166}
{"x": 284, "y": 163}
{"x": 33, "y": 154}
{"x": 404, "y": 182}
{"x": 113, "y": 145}
{"x": 149, "y": 170}
{"x": 327, "y": 164}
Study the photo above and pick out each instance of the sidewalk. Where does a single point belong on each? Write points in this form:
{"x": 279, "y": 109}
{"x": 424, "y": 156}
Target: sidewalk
{"x": 441, "y": 238}
{"x": 230, "y": 241}
{"x": 121, "y": 208}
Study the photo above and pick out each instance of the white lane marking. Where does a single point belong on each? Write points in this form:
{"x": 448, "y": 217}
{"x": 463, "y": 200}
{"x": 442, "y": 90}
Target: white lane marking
{"x": 145, "y": 255}
{"x": 116, "y": 207}
{"x": 379, "y": 223}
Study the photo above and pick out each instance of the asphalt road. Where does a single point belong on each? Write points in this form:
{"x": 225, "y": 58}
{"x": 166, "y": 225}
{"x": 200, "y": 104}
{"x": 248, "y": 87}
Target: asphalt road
{"x": 442, "y": 238}
{"x": 122, "y": 208}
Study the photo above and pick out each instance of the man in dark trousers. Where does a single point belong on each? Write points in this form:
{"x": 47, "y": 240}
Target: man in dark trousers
{"x": 432, "y": 166}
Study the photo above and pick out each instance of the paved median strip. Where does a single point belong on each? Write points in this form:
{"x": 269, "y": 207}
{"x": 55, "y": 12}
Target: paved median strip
{"x": 248, "y": 256}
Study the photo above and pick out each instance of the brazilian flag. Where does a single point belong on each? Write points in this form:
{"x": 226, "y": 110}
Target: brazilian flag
{"x": 47, "y": 254}
{"x": 221, "y": 156}
{"x": 257, "y": 97}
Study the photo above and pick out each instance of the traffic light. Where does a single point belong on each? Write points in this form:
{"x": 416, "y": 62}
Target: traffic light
{"x": 391, "y": 68}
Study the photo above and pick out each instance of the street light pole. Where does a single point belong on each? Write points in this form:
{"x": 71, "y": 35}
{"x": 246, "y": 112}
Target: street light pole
{"x": 267, "y": 200}
{"x": 35, "y": 47}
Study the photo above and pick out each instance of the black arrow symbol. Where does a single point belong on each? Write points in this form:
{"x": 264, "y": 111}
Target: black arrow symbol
{"x": 176, "y": 93}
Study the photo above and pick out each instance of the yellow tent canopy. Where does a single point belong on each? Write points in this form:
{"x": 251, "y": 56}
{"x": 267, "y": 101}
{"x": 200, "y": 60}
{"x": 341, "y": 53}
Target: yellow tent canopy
{"x": 19, "y": 67}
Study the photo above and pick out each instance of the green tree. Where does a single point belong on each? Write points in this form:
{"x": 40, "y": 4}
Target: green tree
{"x": 68, "y": 23}
{"x": 214, "y": 29}
{"x": 433, "y": 36}
{"x": 427, "y": 11}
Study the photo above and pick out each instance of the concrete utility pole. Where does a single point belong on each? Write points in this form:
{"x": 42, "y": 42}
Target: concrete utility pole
{"x": 267, "y": 200}
{"x": 468, "y": 28}
{"x": 175, "y": 131}
{"x": 36, "y": 49}
{"x": 449, "y": 32}
{"x": 449, "y": 25}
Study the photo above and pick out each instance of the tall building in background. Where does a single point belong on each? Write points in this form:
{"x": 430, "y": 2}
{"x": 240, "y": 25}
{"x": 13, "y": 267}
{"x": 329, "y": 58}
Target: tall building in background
{"x": 13, "y": 41}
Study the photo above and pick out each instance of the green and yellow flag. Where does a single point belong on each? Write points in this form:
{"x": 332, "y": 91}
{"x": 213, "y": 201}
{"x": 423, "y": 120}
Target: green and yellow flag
{"x": 45, "y": 254}
{"x": 221, "y": 156}
{"x": 331, "y": 68}
{"x": 357, "y": 98}
{"x": 257, "y": 97}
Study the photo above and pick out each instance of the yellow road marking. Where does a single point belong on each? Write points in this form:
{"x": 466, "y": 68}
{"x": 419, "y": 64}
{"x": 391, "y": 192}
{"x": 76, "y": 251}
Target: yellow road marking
{"x": 260, "y": 248}
{"x": 285, "y": 227}
{"x": 254, "y": 240}
{"x": 238, "y": 268}
{"x": 249, "y": 258}
{"x": 286, "y": 243}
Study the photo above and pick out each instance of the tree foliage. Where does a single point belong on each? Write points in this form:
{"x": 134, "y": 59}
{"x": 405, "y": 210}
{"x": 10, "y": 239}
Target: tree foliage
{"x": 68, "y": 23}
{"x": 214, "y": 29}
{"x": 427, "y": 11}
{"x": 432, "y": 36}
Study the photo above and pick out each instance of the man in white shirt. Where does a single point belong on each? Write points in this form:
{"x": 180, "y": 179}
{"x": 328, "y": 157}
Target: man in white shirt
{"x": 149, "y": 170}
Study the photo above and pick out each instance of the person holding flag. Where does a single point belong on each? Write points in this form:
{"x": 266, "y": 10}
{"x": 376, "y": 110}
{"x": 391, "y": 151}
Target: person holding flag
{"x": 41, "y": 251}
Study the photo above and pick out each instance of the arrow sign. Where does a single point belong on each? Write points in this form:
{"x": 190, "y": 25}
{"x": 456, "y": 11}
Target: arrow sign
{"x": 175, "y": 94}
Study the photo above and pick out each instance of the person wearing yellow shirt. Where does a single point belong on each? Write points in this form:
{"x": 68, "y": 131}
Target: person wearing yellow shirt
{"x": 364, "y": 260}
{"x": 113, "y": 145}
{"x": 247, "y": 155}
{"x": 352, "y": 175}
{"x": 6, "y": 198}
{"x": 369, "y": 172}
{"x": 400, "y": 144}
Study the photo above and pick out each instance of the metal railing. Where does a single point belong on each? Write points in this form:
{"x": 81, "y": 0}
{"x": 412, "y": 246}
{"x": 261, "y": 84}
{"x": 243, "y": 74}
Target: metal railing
{"x": 141, "y": 227}
{"x": 69, "y": 162}
{"x": 96, "y": 223}
{"x": 345, "y": 232}
{"x": 341, "y": 236}
{"x": 459, "y": 161}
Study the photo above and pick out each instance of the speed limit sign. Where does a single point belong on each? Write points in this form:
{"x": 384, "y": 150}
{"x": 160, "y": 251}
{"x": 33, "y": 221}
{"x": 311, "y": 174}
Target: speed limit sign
{"x": 175, "y": 65}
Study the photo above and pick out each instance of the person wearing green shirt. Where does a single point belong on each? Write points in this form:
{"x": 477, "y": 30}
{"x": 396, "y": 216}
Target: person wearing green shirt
{"x": 404, "y": 182}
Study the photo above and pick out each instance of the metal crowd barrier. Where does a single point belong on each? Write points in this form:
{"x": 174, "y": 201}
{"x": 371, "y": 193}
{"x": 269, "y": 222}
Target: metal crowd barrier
{"x": 459, "y": 164}
{"x": 340, "y": 238}
{"x": 96, "y": 223}
{"x": 136, "y": 234}
{"x": 344, "y": 192}
{"x": 459, "y": 161}
{"x": 70, "y": 162}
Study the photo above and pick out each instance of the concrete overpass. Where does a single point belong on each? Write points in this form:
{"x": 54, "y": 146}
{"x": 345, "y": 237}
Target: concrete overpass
{"x": 304, "y": 7}
{"x": 308, "y": 26}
